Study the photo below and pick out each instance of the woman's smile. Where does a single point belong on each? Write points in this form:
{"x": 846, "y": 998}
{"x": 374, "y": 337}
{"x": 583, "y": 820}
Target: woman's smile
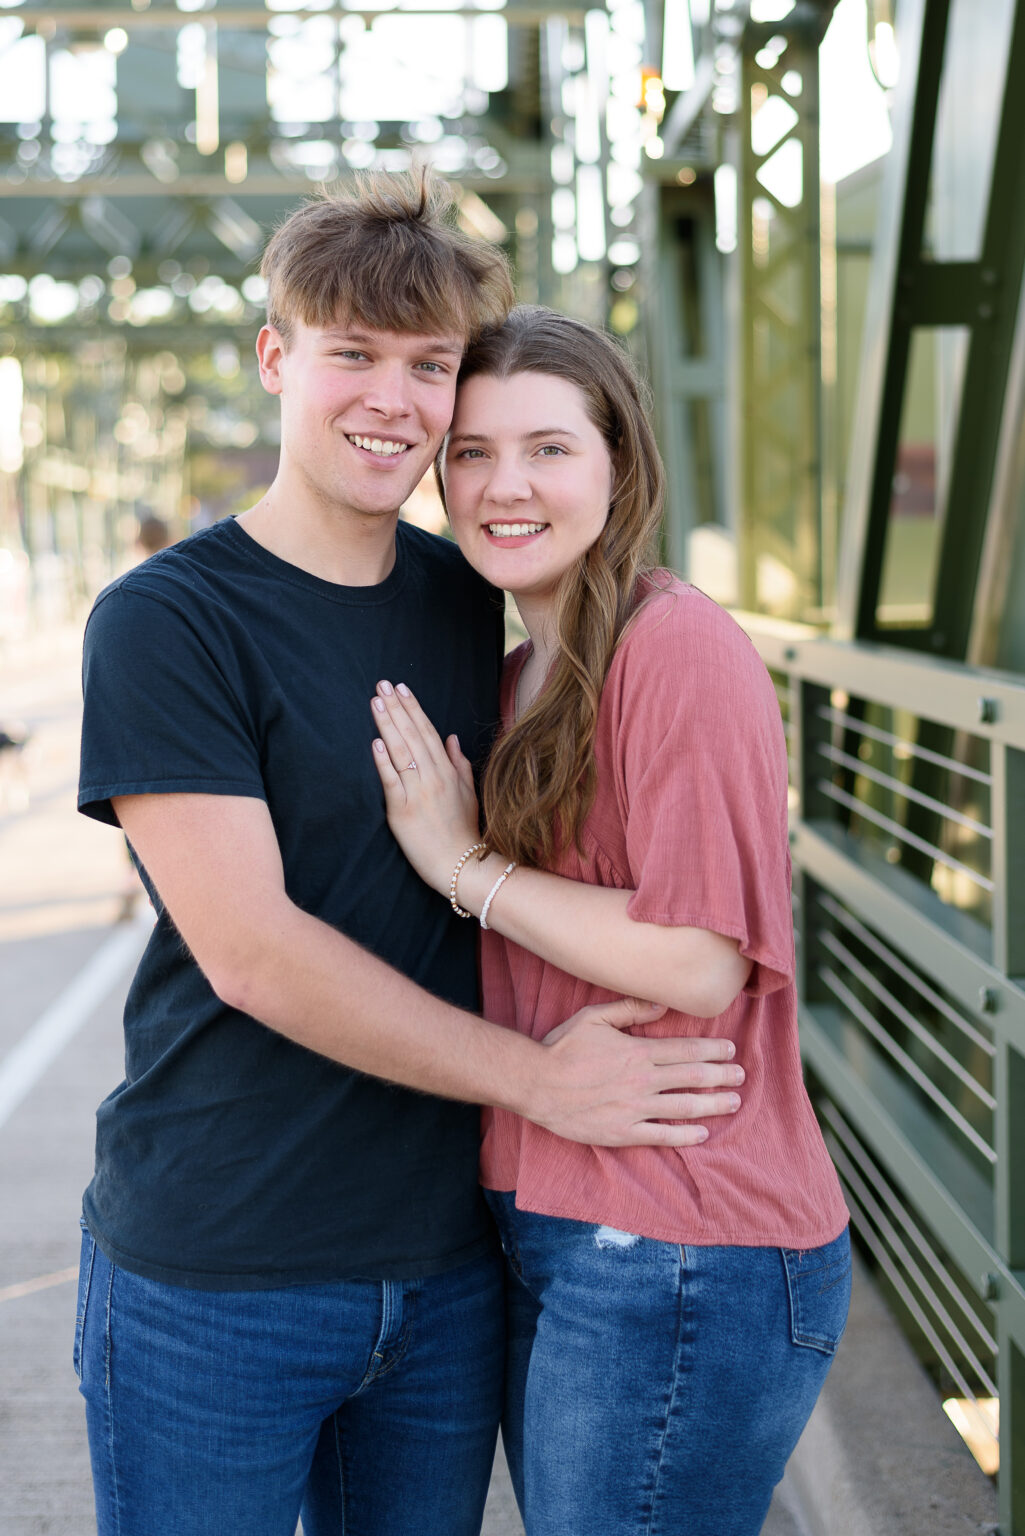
{"x": 514, "y": 535}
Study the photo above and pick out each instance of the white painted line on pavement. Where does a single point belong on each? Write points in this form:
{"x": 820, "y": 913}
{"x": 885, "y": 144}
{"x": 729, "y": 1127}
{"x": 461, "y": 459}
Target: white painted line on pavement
{"x": 41, "y": 1283}
{"x": 22, "y": 1067}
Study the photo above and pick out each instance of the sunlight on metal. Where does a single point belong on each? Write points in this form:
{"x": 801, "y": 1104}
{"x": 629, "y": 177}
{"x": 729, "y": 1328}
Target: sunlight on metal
{"x": 977, "y": 1421}
{"x": 771, "y": 10}
{"x": 884, "y": 56}
{"x": 726, "y": 208}
{"x": 678, "y": 46}
{"x": 855, "y": 121}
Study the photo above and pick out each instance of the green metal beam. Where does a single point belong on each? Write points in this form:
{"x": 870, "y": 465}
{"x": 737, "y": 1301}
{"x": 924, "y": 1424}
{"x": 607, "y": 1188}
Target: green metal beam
{"x": 1011, "y": 1376}
{"x": 986, "y": 703}
{"x": 961, "y": 1171}
{"x": 909, "y": 1168}
{"x": 1008, "y": 815}
{"x": 900, "y": 230}
{"x": 909, "y": 292}
{"x": 991, "y": 593}
{"x": 532, "y": 176}
{"x": 687, "y": 347}
{"x": 778, "y": 404}
{"x": 992, "y": 324}
{"x": 99, "y": 19}
{"x": 945, "y": 944}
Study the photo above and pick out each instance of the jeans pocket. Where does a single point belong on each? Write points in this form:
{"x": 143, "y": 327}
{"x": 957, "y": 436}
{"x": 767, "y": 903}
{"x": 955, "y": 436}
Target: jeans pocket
{"x": 85, "y": 1275}
{"x": 819, "y": 1289}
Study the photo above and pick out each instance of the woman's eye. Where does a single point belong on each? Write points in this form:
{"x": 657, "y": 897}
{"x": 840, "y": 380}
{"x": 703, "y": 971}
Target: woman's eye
{"x": 470, "y": 453}
{"x": 552, "y": 451}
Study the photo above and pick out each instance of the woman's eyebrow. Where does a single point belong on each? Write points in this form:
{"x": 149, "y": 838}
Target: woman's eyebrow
{"x": 527, "y": 437}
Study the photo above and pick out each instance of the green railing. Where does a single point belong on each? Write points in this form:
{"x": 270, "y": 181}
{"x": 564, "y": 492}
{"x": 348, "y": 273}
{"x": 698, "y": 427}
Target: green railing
{"x": 908, "y": 834}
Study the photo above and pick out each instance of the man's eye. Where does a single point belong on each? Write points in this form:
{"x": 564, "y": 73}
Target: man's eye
{"x": 431, "y": 367}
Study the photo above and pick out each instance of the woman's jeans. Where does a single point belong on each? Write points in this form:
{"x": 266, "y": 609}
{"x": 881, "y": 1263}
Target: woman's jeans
{"x": 371, "y": 1406}
{"x": 657, "y": 1389}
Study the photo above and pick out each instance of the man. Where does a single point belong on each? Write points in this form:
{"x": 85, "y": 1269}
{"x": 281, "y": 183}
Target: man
{"x": 289, "y": 1294}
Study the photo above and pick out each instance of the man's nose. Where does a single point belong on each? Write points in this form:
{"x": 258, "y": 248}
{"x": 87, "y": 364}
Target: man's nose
{"x": 388, "y": 390}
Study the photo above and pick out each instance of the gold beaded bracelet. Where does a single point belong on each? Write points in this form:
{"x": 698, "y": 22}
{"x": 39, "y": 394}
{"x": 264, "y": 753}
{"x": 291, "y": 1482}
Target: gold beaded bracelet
{"x": 456, "y": 908}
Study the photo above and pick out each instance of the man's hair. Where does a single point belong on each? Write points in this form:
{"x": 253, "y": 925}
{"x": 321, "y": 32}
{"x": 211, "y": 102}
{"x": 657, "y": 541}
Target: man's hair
{"x": 387, "y": 256}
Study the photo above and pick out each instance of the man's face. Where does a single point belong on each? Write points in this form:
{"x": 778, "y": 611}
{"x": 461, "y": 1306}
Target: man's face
{"x": 363, "y": 412}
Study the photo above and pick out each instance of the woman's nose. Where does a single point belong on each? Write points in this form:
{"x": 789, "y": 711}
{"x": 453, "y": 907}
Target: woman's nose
{"x": 507, "y": 482}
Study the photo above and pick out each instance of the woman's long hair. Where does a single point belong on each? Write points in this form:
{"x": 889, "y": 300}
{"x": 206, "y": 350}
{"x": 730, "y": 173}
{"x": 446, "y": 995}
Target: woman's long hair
{"x": 540, "y": 780}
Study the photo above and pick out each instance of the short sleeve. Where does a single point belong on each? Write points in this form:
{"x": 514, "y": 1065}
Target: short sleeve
{"x": 701, "y": 763}
{"x": 160, "y": 714}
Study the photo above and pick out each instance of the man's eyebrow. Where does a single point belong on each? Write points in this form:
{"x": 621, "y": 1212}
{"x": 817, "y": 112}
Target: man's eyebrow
{"x": 528, "y": 437}
{"x": 441, "y": 344}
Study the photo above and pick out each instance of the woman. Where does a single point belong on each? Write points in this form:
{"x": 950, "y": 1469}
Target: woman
{"x": 672, "y": 1312}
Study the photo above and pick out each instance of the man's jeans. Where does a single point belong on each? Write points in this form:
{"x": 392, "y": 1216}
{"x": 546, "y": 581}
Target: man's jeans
{"x": 370, "y": 1406}
{"x": 655, "y": 1390}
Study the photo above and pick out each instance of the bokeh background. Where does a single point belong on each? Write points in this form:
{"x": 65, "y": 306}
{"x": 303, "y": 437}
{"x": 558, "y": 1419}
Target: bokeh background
{"x": 806, "y": 221}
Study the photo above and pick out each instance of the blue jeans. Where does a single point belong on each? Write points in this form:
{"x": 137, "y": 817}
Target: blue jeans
{"x": 657, "y": 1389}
{"x": 372, "y": 1407}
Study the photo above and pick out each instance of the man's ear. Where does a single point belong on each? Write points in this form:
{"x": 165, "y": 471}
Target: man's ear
{"x": 270, "y": 351}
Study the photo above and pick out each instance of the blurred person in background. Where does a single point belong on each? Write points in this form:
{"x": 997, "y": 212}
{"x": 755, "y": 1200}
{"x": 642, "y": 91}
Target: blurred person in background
{"x": 14, "y": 790}
{"x": 290, "y": 1295}
{"x": 153, "y": 535}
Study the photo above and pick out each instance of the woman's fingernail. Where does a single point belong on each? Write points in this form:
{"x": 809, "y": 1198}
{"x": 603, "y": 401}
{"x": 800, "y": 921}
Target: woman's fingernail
{"x": 738, "y": 1074}
{"x": 386, "y": 688}
{"x": 734, "y": 1102}
{"x": 379, "y": 745}
{"x": 378, "y": 704}
{"x": 702, "y": 1134}
{"x": 731, "y": 1050}
{"x": 404, "y": 691}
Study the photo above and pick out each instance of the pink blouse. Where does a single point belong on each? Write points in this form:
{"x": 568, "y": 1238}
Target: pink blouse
{"x": 690, "y": 814}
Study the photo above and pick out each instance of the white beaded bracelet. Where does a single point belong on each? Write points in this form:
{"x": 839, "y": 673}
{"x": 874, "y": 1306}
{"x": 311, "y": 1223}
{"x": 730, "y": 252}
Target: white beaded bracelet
{"x": 456, "y": 908}
{"x": 503, "y": 877}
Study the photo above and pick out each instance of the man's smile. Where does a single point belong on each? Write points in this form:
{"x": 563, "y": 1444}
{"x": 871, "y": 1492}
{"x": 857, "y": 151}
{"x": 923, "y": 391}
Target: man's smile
{"x": 383, "y": 447}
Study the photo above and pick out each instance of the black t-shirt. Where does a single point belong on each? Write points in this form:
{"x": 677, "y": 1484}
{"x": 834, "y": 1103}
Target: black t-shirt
{"x": 230, "y": 1157}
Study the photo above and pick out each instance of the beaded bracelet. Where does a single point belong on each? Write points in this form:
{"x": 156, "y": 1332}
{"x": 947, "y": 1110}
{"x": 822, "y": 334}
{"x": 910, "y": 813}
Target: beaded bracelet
{"x": 456, "y": 908}
{"x": 503, "y": 877}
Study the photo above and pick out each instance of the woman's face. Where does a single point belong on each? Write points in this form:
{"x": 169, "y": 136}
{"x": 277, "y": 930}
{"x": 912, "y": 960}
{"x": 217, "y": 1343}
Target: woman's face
{"x": 528, "y": 480}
